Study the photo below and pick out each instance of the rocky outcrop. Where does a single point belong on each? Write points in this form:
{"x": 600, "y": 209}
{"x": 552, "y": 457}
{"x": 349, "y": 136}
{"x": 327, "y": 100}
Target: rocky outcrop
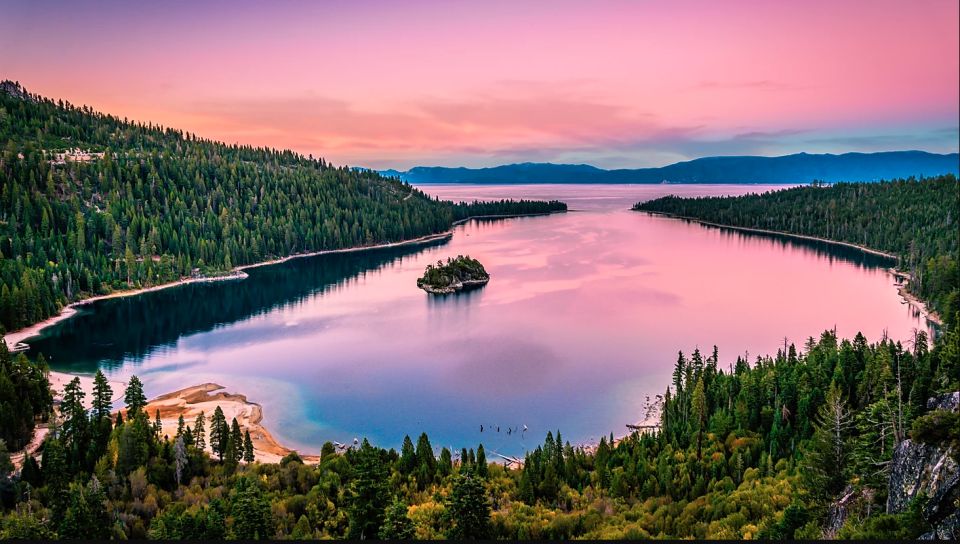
{"x": 929, "y": 470}
{"x": 453, "y": 287}
{"x": 14, "y": 89}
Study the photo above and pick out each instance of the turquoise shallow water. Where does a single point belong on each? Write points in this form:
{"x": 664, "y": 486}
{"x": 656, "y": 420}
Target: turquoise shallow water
{"x": 580, "y": 323}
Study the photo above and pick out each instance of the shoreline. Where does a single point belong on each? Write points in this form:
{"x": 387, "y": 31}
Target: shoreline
{"x": 15, "y": 340}
{"x": 191, "y": 401}
{"x": 929, "y": 315}
{"x": 185, "y": 401}
{"x": 57, "y": 382}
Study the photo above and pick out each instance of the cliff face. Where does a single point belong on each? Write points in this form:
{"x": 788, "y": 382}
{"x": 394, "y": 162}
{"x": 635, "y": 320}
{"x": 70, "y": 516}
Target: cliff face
{"x": 930, "y": 470}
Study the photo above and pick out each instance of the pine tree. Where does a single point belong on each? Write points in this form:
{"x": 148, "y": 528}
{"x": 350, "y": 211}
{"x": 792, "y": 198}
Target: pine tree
{"x": 199, "y": 432}
{"x": 230, "y": 454}
{"x": 699, "y": 405}
{"x": 219, "y": 433}
{"x": 396, "y": 524}
{"x": 85, "y": 516}
{"x": 133, "y": 397}
{"x": 825, "y": 459}
{"x": 445, "y": 465}
{"x": 368, "y": 493}
{"x": 248, "y": 452}
{"x": 482, "y": 469}
{"x": 408, "y": 456}
{"x": 102, "y": 396}
{"x": 74, "y": 418}
{"x": 237, "y": 436}
{"x": 157, "y": 424}
{"x": 250, "y": 510}
{"x": 427, "y": 462}
{"x": 469, "y": 509}
{"x": 6, "y": 465}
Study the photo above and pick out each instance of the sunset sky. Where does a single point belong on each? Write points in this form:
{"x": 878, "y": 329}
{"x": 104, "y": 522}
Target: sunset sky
{"x": 615, "y": 84}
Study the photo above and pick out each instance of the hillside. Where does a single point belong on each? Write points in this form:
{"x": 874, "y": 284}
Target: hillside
{"x": 91, "y": 203}
{"x": 797, "y": 168}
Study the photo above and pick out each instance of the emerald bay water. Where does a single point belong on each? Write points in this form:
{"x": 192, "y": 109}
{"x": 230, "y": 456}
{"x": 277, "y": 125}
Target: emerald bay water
{"x": 580, "y": 323}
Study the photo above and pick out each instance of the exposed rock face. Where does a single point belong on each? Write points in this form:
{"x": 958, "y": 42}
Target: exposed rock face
{"x": 14, "y": 89}
{"x": 852, "y": 500}
{"x": 453, "y": 287}
{"x": 930, "y": 470}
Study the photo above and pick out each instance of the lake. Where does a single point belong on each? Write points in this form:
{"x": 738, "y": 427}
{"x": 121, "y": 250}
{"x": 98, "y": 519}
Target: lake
{"x": 580, "y": 324}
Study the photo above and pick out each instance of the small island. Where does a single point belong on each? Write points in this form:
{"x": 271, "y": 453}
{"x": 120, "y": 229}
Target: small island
{"x": 453, "y": 276}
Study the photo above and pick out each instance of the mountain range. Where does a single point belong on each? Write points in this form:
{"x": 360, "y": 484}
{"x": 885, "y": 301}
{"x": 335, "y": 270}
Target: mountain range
{"x": 796, "y": 168}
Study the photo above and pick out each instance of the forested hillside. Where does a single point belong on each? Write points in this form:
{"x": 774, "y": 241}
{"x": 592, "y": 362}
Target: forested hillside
{"x": 914, "y": 219}
{"x": 744, "y": 451}
{"x": 90, "y": 203}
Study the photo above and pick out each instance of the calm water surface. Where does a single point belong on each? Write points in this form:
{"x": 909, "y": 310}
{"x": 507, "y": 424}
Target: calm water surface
{"x": 580, "y": 323}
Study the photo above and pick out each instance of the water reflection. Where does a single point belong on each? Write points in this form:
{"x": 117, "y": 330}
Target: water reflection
{"x": 581, "y": 321}
{"x": 112, "y": 332}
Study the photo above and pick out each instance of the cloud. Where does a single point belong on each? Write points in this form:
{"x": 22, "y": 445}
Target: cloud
{"x": 756, "y": 85}
{"x": 518, "y": 121}
{"x": 512, "y": 119}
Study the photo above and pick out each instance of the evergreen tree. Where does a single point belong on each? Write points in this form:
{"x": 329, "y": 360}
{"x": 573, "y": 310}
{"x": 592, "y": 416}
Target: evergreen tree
{"x": 237, "y": 436}
{"x": 482, "y": 469}
{"x": 396, "y": 524}
{"x": 445, "y": 465}
{"x": 426, "y": 460}
{"x": 825, "y": 460}
{"x": 468, "y": 509}
{"x": 157, "y": 425}
{"x": 199, "y": 432}
{"x": 408, "y": 457}
{"x": 85, "y": 516}
{"x": 699, "y": 402}
{"x": 74, "y": 428}
{"x": 102, "y": 396}
{"x": 368, "y": 493}
{"x": 133, "y": 397}
{"x": 248, "y": 452}
{"x": 250, "y": 510}
{"x": 219, "y": 433}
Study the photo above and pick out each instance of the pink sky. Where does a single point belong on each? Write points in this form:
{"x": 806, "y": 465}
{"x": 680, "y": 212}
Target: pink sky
{"x": 399, "y": 84}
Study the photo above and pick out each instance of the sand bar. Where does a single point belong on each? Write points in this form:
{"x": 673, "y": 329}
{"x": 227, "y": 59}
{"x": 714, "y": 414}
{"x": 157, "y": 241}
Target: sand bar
{"x": 191, "y": 401}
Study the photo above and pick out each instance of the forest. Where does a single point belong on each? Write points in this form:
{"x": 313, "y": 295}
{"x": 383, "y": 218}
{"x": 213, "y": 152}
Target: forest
{"x": 747, "y": 449}
{"x": 914, "y": 219}
{"x": 90, "y": 204}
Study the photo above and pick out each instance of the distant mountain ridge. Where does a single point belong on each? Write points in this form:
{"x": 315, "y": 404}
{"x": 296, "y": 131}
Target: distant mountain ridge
{"x": 796, "y": 168}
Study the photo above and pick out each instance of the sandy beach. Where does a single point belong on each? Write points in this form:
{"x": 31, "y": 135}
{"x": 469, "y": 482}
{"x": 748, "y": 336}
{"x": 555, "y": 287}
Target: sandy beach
{"x": 58, "y": 380}
{"x": 206, "y": 397}
{"x": 191, "y": 401}
{"x": 188, "y": 402}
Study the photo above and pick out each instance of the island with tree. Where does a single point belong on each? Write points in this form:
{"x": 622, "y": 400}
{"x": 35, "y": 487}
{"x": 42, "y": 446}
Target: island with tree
{"x": 455, "y": 275}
